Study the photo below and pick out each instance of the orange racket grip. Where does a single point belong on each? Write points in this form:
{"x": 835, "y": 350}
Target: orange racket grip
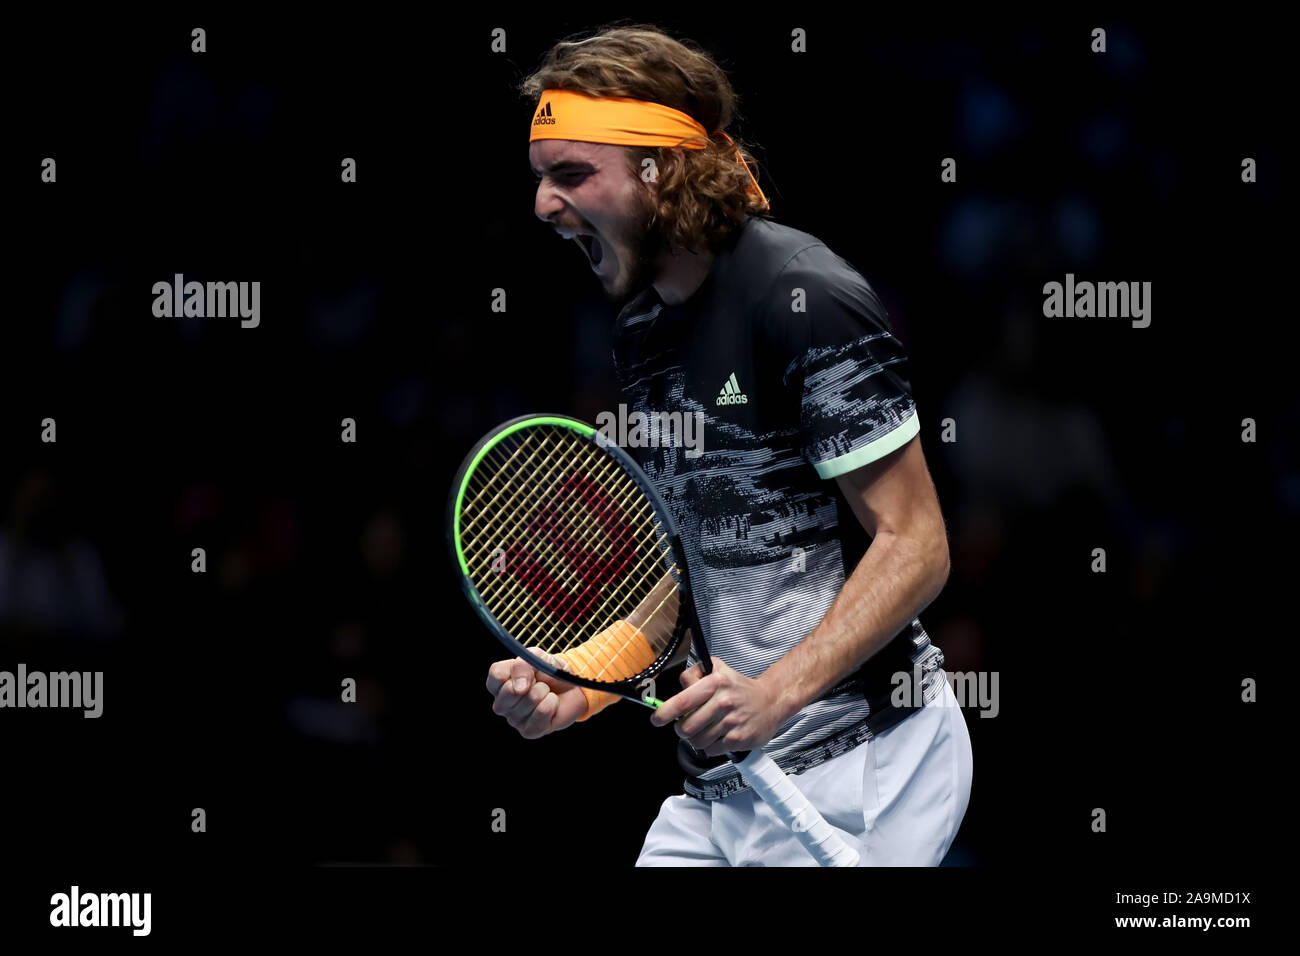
{"x": 616, "y": 653}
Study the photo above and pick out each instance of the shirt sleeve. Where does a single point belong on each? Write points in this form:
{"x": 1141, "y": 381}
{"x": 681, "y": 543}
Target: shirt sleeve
{"x": 851, "y": 372}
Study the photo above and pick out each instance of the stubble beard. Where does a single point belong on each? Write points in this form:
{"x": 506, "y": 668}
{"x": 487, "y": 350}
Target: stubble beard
{"x": 646, "y": 244}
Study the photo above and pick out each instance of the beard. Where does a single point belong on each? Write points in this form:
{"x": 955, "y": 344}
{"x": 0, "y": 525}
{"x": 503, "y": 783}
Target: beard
{"x": 646, "y": 242}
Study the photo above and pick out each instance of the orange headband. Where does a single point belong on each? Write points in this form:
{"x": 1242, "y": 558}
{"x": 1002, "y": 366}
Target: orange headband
{"x": 567, "y": 114}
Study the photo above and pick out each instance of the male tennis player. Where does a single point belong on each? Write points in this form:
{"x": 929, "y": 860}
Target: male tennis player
{"x": 787, "y": 354}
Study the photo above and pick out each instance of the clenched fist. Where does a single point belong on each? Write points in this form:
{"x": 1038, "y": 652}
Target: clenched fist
{"x": 534, "y": 703}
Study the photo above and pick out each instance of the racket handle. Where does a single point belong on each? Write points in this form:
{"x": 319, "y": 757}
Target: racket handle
{"x": 792, "y": 807}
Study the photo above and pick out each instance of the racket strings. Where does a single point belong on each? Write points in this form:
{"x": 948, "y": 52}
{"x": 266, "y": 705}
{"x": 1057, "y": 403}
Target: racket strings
{"x": 615, "y": 550}
{"x": 621, "y": 557}
{"x": 647, "y": 576}
{"x": 572, "y": 568}
{"x": 614, "y": 665}
{"x": 575, "y": 566}
{"x": 663, "y": 627}
{"x": 519, "y": 511}
{"x": 647, "y": 570}
{"x": 655, "y": 631}
{"x": 589, "y": 526}
{"x": 487, "y": 510}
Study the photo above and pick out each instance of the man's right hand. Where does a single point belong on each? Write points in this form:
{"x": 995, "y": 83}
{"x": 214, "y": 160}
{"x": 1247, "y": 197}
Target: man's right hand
{"x": 532, "y": 702}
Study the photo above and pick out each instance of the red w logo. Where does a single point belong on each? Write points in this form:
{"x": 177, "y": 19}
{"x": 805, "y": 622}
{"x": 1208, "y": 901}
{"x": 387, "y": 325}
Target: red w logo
{"x": 587, "y": 541}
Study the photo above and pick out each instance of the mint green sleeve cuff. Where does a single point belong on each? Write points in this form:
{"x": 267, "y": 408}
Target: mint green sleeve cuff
{"x": 865, "y": 455}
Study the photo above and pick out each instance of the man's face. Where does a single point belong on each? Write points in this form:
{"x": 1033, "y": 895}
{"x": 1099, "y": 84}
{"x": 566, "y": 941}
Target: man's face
{"x": 588, "y": 193}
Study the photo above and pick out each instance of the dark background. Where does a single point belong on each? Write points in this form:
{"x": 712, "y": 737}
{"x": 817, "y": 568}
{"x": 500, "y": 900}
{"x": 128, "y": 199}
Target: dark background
{"x": 328, "y": 560}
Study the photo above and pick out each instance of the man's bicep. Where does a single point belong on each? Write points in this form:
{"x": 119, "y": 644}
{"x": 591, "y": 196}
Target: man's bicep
{"x": 893, "y": 494}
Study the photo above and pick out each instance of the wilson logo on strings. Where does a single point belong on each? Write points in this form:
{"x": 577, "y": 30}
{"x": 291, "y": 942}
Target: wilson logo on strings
{"x": 548, "y": 542}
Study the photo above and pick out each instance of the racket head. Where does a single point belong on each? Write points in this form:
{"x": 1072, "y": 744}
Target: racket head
{"x": 557, "y": 536}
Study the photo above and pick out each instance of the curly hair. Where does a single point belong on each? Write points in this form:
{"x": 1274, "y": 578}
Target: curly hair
{"x": 702, "y": 193}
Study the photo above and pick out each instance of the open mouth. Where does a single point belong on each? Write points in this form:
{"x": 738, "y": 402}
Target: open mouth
{"x": 593, "y": 248}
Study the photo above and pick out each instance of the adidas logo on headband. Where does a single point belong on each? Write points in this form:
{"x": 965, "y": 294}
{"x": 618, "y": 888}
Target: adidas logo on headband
{"x": 624, "y": 121}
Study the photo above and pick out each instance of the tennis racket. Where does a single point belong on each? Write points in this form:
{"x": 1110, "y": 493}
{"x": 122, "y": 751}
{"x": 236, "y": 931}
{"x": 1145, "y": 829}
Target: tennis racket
{"x": 570, "y": 557}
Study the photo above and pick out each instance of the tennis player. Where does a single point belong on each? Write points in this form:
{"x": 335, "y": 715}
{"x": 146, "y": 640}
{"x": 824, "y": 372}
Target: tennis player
{"x": 811, "y": 526}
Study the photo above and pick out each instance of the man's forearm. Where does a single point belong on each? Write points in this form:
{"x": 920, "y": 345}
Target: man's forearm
{"x": 895, "y": 580}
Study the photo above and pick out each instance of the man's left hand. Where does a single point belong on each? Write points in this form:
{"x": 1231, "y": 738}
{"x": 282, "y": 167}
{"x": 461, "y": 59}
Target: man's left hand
{"x": 723, "y": 712}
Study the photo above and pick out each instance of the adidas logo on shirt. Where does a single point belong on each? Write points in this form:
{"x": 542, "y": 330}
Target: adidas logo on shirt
{"x": 544, "y": 116}
{"x": 731, "y": 393}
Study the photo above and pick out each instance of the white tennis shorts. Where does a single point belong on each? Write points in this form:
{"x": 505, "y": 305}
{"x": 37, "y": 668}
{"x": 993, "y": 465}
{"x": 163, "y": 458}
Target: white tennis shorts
{"x": 899, "y": 798}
